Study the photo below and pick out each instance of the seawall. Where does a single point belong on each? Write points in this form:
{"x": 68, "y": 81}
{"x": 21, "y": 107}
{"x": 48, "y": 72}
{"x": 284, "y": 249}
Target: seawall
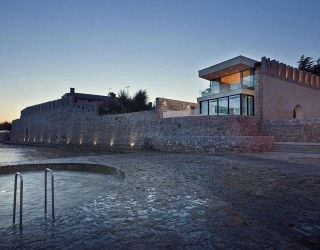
{"x": 80, "y": 125}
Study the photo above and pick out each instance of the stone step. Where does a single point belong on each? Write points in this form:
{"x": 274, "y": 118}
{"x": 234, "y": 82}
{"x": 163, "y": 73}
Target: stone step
{"x": 309, "y": 148}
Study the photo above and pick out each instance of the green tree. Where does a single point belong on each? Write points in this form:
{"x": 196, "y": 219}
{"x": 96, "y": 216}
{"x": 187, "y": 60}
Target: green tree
{"x": 140, "y": 100}
{"x": 305, "y": 63}
{"x": 5, "y": 126}
{"x": 125, "y": 104}
{"x": 110, "y": 106}
{"x": 308, "y": 65}
{"x": 316, "y": 68}
{"x": 125, "y": 100}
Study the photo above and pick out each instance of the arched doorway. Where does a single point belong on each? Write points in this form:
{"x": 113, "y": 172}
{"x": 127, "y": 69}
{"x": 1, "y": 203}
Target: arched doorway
{"x": 297, "y": 112}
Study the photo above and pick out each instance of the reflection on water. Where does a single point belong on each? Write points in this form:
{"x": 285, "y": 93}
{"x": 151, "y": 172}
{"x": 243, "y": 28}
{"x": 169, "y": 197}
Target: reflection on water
{"x": 10, "y": 153}
{"x": 72, "y": 188}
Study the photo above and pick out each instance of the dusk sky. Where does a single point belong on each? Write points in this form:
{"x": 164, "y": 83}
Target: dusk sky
{"x": 95, "y": 46}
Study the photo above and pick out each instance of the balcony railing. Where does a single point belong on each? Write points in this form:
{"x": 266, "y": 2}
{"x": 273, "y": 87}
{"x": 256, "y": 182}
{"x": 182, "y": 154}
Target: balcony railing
{"x": 226, "y": 87}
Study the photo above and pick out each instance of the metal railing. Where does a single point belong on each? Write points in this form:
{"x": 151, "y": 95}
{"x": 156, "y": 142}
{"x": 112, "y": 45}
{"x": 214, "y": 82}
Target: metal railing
{"x": 15, "y": 198}
{"x": 21, "y": 195}
{"x": 52, "y": 191}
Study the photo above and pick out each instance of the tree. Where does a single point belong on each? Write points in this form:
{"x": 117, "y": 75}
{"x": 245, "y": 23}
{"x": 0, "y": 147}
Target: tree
{"x": 125, "y": 100}
{"x": 316, "y": 68}
{"x": 125, "y": 104}
{"x": 5, "y": 126}
{"x": 308, "y": 65}
{"x": 140, "y": 100}
{"x": 110, "y": 106}
{"x": 305, "y": 63}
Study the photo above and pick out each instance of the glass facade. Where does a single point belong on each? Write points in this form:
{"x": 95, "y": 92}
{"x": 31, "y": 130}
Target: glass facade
{"x": 247, "y": 79}
{"x": 230, "y": 105}
{"x": 213, "y": 107}
{"x": 240, "y": 80}
{"x": 204, "y": 107}
{"x": 234, "y": 105}
{"x": 223, "y": 106}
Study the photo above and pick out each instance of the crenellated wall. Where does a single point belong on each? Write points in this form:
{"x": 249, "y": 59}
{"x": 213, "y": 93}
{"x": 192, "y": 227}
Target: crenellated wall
{"x": 282, "y": 88}
{"x": 288, "y": 73}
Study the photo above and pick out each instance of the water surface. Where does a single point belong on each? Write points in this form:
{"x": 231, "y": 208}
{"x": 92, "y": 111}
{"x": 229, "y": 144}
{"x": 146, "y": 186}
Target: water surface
{"x": 72, "y": 188}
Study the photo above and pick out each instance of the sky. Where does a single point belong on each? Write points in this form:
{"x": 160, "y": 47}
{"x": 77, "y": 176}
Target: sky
{"x": 97, "y": 46}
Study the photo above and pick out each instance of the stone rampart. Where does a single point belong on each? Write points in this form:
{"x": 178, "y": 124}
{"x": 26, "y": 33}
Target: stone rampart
{"x": 285, "y": 72}
{"x": 4, "y": 135}
{"x": 64, "y": 103}
{"x": 76, "y": 125}
{"x": 285, "y": 93}
{"x": 213, "y": 144}
{"x": 293, "y": 130}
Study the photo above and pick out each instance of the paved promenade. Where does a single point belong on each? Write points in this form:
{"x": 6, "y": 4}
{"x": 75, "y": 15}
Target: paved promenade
{"x": 188, "y": 201}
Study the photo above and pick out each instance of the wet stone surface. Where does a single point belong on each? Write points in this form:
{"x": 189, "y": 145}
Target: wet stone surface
{"x": 185, "y": 201}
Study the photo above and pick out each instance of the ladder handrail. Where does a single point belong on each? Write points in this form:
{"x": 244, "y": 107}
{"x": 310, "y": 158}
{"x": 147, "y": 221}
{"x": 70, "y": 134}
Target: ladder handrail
{"x": 52, "y": 191}
{"x": 15, "y": 197}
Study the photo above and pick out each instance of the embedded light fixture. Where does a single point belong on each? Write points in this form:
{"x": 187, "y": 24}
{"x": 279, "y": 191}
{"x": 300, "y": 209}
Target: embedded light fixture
{"x": 111, "y": 141}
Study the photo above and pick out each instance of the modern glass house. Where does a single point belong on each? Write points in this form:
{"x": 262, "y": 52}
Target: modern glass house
{"x": 231, "y": 89}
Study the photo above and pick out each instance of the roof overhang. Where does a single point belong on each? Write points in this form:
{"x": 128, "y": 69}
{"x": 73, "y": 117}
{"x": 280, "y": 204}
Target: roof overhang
{"x": 228, "y": 67}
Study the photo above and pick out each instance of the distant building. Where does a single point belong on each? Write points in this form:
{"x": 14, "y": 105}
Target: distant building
{"x": 268, "y": 89}
{"x": 80, "y": 98}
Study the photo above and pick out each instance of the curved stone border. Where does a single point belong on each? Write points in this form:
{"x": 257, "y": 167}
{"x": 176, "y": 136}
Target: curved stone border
{"x": 62, "y": 166}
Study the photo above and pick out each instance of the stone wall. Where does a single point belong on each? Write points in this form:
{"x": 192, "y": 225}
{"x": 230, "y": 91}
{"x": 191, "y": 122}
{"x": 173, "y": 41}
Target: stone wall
{"x": 164, "y": 105}
{"x": 4, "y": 135}
{"x": 293, "y": 130}
{"x": 213, "y": 144}
{"x": 282, "y": 88}
{"x": 285, "y": 72}
{"x": 78, "y": 125}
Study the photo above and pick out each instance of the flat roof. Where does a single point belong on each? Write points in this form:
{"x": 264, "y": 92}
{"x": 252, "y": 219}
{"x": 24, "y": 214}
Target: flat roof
{"x": 86, "y": 96}
{"x": 228, "y": 67}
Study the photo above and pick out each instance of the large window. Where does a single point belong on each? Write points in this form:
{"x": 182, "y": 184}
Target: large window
{"x": 240, "y": 80}
{"x": 223, "y": 106}
{"x": 230, "y": 82}
{"x": 230, "y": 105}
{"x": 247, "y": 105}
{"x": 234, "y": 105}
{"x": 247, "y": 79}
{"x": 204, "y": 107}
{"x": 213, "y": 107}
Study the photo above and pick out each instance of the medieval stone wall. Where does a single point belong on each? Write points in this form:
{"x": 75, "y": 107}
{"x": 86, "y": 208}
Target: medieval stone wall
{"x": 79, "y": 125}
{"x": 4, "y": 135}
{"x": 282, "y": 88}
{"x": 293, "y": 130}
{"x": 285, "y": 72}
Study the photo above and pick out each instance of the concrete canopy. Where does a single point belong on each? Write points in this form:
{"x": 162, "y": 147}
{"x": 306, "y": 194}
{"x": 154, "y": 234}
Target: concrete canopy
{"x": 228, "y": 67}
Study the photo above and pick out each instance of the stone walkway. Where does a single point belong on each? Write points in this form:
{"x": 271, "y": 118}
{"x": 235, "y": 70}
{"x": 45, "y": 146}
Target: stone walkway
{"x": 188, "y": 201}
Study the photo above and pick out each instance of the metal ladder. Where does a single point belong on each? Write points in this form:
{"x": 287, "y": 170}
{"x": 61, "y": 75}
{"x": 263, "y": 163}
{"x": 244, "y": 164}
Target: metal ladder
{"x": 15, "y": 197}
{"x": 52, "y": 191}
{"x": 21, "y": 195}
